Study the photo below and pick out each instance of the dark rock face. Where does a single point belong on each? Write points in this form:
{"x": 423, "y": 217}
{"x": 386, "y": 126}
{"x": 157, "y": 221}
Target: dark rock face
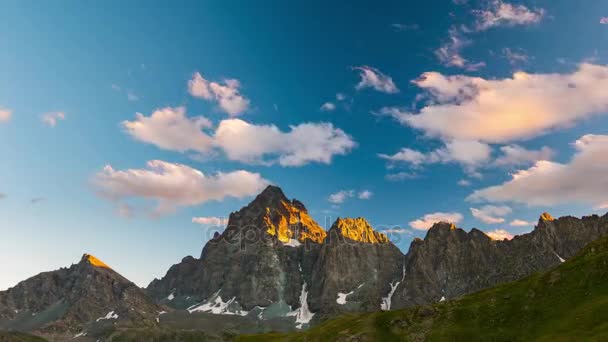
{"x": 273, "y": 259}
{"x": 355, "y": 269}
{"x": 67, "y": 299}
{"x": 450, "y": 262}
{"x": 274, "y": 255}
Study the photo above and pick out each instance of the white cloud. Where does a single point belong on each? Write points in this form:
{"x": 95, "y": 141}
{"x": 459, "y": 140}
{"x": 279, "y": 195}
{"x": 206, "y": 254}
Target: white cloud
{"x": 170, "y": 129}
{"x": 341, "y": 196}
{"x": 499, "y": 235}
{"x": 503, "y": 110}
{"x": 328, "y": 107}
{"x": 406, "y": 155}
{"x": 470, "y": 154}
{"x": 400, "y": 176}
{"x": 227, "y": 95}
{"x": 604, "y": 21}
{"x": 373, "y": 78}
{"x": 5, "y": 115}
{"x": 464, "y": 182}
{"x": 304, "y": 143}
{"x": 491, "y": 214}
{"x": 517, "y": 155}
{"x": 427, "y": 221}
{"x": 515, "y": 56}
{"x": 501, "y": 13}
{"x": 210, "y": 221}
{"x": 449, "y": 54}
{"x": 51, "y": 118}
{"x": 581, "y": 180}
{"x": 520, "y": 223}
{"x": 131, "y": 96}
{"x": 365, "y": 195}
{"x": 175, "y": 185}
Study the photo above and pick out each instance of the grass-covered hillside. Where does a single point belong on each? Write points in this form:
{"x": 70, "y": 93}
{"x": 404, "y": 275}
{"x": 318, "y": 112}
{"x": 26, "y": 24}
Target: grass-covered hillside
{"x": 568, "y": 303}
{"x": 18, "y": 337}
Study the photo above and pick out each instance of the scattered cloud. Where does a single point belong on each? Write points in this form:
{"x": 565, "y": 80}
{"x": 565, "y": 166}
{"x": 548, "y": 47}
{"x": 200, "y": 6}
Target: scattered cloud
{"x": 449, "y": 54}
{"x": 400, "y": 176}
{"x": 175, "y": 185}
{"x": 604, "y": 21}
{"x": 341, "y": 196}
{"x": 405, "y": 27}
{"x": 464, "y": 182}
{"x": 515, "y": 56}
{"x": 170, "y": 129}
{"x": 515, "y": 155}
{"x": 51, "y": 118}
{"x": 499, "y": 235}
{"x": 328, "y": 107}
{"x": 470, "y": 154}
{"x": 500, "y": 13}
{"x": 5, "y": 115}
{"x": 581, "y": 180}
{"x": 491, "y": 214}
{"x": 131, "y": 96}
{"x": 502, "y": 110}
{"x": 304, "y": 143}
{"x": 227, "y": 95}
{"x": 427, "y": 221}
{"x": 210, "y": 221}
{"x": 373, "y": 78}
{"x": 365, "y": 195}
{"x": 520, "y": 223}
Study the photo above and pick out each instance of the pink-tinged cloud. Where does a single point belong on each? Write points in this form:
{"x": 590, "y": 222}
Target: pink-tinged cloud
{"x": 175, "y": 185}
{"x": 226, "y": 95}
{"x": 504, "y": 110}
{"x": 582, "y": 180}
{"x": 427, "y": 221}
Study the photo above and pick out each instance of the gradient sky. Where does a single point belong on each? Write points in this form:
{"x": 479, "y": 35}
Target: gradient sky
{"x": 341, "y": 84}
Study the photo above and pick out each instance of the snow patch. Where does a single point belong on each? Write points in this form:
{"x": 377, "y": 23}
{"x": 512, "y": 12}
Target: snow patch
{"x": 302, "y": 314}
{"x": 342, "y": 297}
{"x": 171, "y": 296}
{"x": 215, "y": 305}
{"x": 386, "y": 301}
{"x": 81, "y": 334}
{"x": 110, "y": 315}
{"x": 292, "y": 243}
{"x": 560, "y": 258}
{"x": 442, "y": 299}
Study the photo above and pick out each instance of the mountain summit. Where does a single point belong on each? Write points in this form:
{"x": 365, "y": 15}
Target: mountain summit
{"x": 69, "y": 300}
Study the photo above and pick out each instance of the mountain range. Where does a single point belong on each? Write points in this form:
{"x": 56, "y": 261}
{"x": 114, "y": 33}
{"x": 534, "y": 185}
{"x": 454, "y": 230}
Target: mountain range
{"x": 274, "y": 268}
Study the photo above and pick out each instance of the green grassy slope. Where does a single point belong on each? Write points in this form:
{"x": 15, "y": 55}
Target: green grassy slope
{"x": 19, "y": 337}
{"x": 568, "y": 303}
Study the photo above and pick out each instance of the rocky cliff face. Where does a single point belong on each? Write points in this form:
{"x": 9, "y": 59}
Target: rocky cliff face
{"x": 273, "y": 257}
{"x": 273, "y": 260}
{"x": 356, "y": 269}
{"x": 450, "y": 262}
{"x": 68, "y": 299}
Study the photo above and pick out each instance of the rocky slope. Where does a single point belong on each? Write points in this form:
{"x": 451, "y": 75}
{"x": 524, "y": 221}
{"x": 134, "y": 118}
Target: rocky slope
{"x": 450, "y": 262}
{"x": 275, "y": 261}
{"x": 566, "y": 303}
{"x": 69, "y": 300}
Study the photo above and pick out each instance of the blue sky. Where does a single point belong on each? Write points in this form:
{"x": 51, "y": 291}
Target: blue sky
{"x": 73, "y": 76}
